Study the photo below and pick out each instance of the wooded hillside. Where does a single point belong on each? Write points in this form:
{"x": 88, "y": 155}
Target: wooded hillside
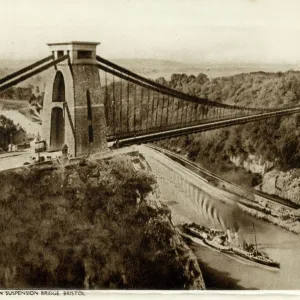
{"x": 276, "y": 139}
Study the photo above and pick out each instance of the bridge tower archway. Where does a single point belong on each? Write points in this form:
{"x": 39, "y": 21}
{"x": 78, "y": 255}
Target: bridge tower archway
{"x": 66, "y": 110}
{"x": 58, "y": 94}
{"x": 57, "y": 137}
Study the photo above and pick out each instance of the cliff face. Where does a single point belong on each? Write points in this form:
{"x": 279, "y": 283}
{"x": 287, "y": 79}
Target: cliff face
{"x": 252, "y": 163}
{"x": 274, "y": 182}
{"x": 92, "y": 224}
{"x": 282, "y": 184}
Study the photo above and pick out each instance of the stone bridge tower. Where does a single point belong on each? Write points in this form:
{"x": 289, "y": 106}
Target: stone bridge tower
{"x": 73, "y": 109}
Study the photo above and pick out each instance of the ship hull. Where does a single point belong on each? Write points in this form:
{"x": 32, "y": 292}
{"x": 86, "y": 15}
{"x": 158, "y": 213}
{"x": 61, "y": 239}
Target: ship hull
{"x": 257, "y": 260}
{"x": 229, "y": 250}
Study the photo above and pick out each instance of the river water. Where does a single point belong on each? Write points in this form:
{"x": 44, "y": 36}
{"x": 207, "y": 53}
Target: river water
{"x": 193, "y": 200}
{"x": 277, "y": 243}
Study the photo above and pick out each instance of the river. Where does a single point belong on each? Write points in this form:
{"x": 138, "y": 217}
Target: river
{"x": 192, "y": 199}
{"x": 279, "y": 244}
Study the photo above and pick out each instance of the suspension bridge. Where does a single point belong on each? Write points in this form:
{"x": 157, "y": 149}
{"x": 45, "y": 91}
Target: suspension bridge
{"x": 90, "y": 101}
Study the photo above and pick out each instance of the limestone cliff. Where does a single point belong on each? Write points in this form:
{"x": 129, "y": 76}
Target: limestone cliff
{"x": 252, "y": 163}
{"x": 274, "y": 182}
{"x": 283, "y": 184}
{"x": 94, "y": 224}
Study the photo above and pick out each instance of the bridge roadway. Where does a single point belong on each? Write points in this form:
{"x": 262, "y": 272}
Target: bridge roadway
{"x": 242, "y": 192}
{"x": 189, "y": 196}
{"x": 181, "y": 187}
{"x": 18, "y": 101}
{"x": 205, "y": 127}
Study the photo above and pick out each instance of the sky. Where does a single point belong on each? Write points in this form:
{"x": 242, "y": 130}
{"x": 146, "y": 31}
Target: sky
{"x": 190, "y": 31}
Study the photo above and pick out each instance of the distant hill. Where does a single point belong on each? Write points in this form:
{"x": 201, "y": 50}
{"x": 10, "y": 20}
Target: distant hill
{"x": 15, "y": 64}
{"x": 155, "y": 68}
{"x": 10, "y": 66}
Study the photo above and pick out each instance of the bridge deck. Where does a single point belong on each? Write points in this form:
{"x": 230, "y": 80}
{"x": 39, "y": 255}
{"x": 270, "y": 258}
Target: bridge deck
{"x": 204, "y": 127}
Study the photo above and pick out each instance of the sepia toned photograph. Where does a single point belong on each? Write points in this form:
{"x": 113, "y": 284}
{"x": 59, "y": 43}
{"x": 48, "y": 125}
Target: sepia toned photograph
{"x": 149, "y": 146}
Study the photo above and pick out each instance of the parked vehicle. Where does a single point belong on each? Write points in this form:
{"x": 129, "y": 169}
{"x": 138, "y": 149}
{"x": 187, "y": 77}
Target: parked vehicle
{"x": 40, "y": 146}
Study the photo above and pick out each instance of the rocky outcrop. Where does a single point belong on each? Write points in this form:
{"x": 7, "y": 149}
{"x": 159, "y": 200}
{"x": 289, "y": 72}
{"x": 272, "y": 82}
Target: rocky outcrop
{"x": 252, "y": 163}
{"x": 90, "y": 224}
{"x": 283, "y": 184}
